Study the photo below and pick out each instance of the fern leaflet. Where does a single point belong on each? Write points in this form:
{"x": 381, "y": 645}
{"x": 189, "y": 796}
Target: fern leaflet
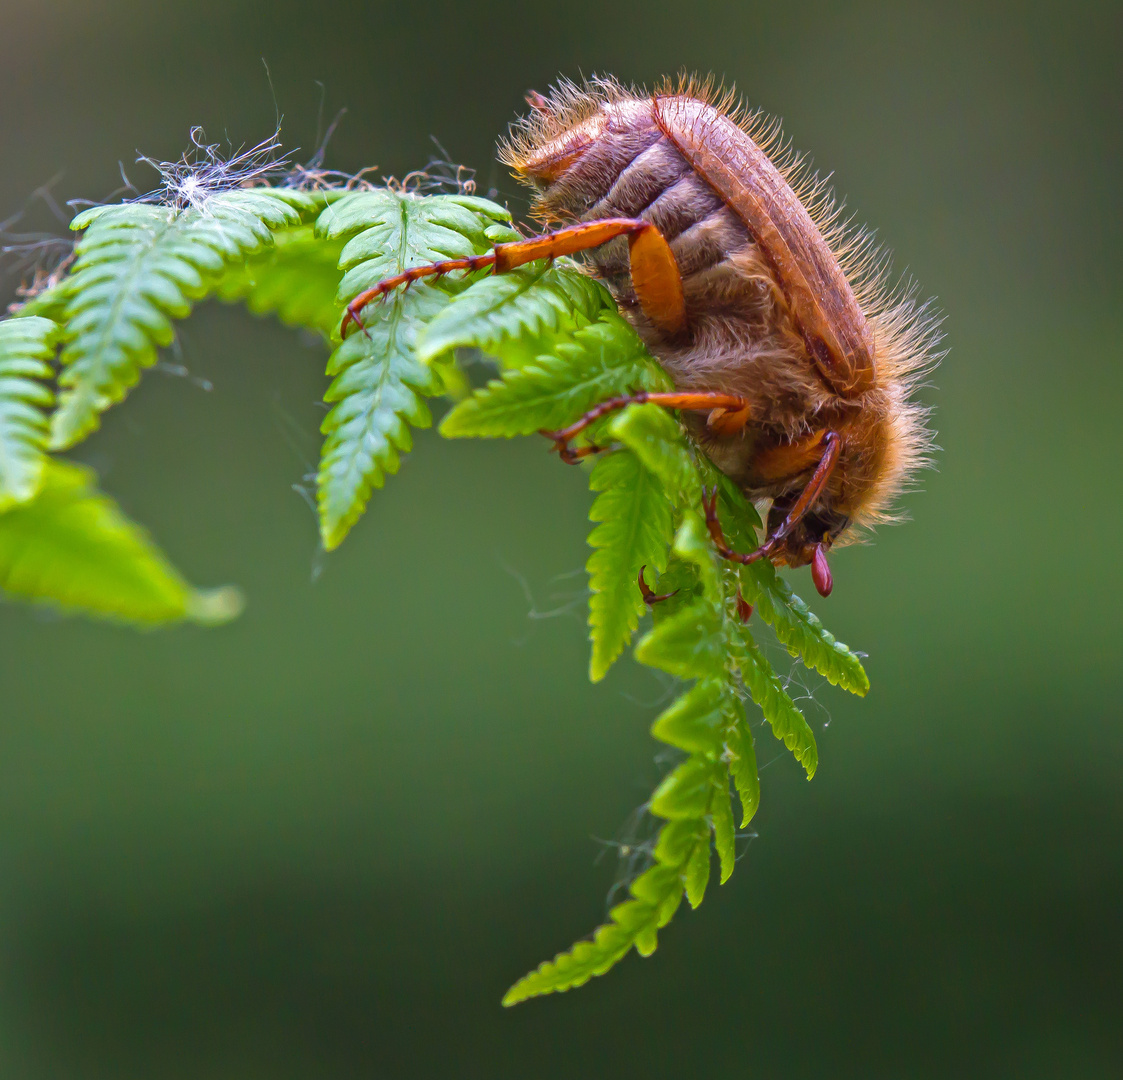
{"x": 27, "y": 345}
{"x": 378, "y": 385}
{"x": 70, "y": 546}
{"x": 800, "y": 630}
{"x": 634, "y": 531}
{"x": 600, "y": 361}
{"x": 139, "y": 266}
{"x": 296, "y": 279}
{"x": 524, "y": 304}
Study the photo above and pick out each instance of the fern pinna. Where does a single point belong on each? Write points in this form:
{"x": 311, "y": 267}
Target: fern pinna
{"x": 561, "y": 348}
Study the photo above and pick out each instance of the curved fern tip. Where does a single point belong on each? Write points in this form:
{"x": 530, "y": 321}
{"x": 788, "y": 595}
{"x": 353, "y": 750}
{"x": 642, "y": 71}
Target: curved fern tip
{"x": 213, "y": 607}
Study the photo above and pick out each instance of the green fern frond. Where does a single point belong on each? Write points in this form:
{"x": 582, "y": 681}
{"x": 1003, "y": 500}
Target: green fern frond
{"x": 377, "y": 392}
{"x": 694, "y": 799}
{"x": 562, "y": 348}
{"x": 788, "y": 723}
{"x": 378, "y": 385}
{"x": 138, "y": 267}
{"x": 296, "y": 279}
{"x": 71, "y": 547}
{"x": 524, "y": 304}
{"x": 800, "y": 630}
{"x": 27, "y": 345}
{"x": 601, "y": 361}
{"x": 652, "y": 434}
{"x": 634, "y": 531}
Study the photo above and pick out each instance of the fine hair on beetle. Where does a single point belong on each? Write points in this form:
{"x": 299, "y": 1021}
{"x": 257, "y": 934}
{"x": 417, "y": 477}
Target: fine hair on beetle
{"x": 793, "y": 355}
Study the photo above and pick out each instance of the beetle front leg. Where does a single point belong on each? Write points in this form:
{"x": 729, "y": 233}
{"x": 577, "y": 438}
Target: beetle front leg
{"x": 820, "y": 571}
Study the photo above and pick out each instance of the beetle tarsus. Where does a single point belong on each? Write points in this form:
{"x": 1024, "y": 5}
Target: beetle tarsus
{"x": 650, "y": 597}
{"x": 567, "y": 453}
{"x": 744, "y": 608}
{"x": 821, "y": 572}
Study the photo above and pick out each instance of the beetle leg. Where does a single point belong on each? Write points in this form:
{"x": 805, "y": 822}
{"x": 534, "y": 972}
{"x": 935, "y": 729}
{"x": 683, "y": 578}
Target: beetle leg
{"x": 407, "y": 277}
{"x": 731, "y": 407}
{"x": 820, "y": 572}
{"x": 655, "y": 274}
{"x": 650, "y": 597}
{"x": 744, "y": 608}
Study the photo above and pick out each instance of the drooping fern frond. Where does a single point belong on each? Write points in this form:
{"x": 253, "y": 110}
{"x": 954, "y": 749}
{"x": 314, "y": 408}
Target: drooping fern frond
{"x": 27, "y": 346}
{"x": 138, "y": 267}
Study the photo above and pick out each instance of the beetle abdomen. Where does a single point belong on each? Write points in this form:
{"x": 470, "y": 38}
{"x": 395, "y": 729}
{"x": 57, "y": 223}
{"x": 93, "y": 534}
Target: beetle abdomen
{"x": 619, "y": 163}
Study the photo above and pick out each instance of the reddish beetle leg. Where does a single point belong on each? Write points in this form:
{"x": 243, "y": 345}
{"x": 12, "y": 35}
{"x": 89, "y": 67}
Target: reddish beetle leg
{"x": 655, "y": 274}
{"x": 650, "y": 597}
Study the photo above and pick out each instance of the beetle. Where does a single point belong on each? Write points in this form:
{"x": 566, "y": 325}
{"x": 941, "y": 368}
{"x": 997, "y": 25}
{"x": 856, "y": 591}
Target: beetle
{"x": 793, "y": 360}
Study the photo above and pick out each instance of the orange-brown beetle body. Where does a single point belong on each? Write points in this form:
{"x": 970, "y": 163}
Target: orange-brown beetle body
{"x": 792, "y": 360}
{"x": 783, "y": 306}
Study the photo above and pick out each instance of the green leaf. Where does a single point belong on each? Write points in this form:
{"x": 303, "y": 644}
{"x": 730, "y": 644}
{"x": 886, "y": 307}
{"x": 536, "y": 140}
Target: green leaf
{"x": 296, "y": 280}
{"x": 741, "y": 757}
{"x": 377, "y": 392}
{"x": 689, "y": 644}
{"x": 800, "y": 630}
{"x": 587, "y": 958}
{"x": 390, "y": 231}
{"x": 138, "y": 267}
{"x": 71, "y": 547}
{"x": 657, "y": 893}
{"x": 695, "y": 721}
{"x": 685, "y": 792}
{"x": 788, "y": 723}
{"x": 378, "y": 384}
{"x": 694, "y": 545}
{"x": 656, "y": 438}
{"x": 634, "y": 530}
{"x": 27, "y": 345}
{"x": 524, "y": 303}
{"x": 602, "y": 361}
{"x": 725, "y": 831}
{"x": 696, "y": 875}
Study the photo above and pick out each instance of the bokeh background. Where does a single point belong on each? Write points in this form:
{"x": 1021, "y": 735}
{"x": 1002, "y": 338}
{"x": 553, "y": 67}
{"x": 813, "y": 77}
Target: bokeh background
{"x": 322, "y": 841}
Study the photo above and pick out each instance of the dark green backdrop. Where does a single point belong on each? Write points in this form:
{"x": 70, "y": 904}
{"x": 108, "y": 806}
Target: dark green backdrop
{"x": 322, "y": 841}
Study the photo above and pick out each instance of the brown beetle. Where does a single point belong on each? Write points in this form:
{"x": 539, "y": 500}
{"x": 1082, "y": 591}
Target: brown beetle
{"x": 792, "y": 360}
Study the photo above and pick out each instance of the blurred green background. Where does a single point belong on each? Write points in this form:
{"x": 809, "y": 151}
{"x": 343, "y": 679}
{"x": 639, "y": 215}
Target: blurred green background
{"x": 322, "y": 842}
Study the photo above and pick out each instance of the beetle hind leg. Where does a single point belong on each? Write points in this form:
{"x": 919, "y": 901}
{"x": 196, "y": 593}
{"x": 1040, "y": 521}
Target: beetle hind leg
{"x": 655, "y": 273}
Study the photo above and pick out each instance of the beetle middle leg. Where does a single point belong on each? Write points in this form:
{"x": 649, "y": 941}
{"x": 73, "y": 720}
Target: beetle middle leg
{"x": 729, "y": 413}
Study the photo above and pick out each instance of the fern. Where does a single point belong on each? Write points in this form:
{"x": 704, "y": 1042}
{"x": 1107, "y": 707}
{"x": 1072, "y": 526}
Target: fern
{"x": 519, "y": 306}
{"x": 599, "y": 361}
{"x": 561, "y": 347}
{"x": 634, "y": 531}
{"x": 296, "y": 279}
{"x": 70, "y": 547}
{"x": 138, "y": 267}
{"x": 378, "y": 384}
{"x": 800, "y": 629}
{"x": 26, "y": 347}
